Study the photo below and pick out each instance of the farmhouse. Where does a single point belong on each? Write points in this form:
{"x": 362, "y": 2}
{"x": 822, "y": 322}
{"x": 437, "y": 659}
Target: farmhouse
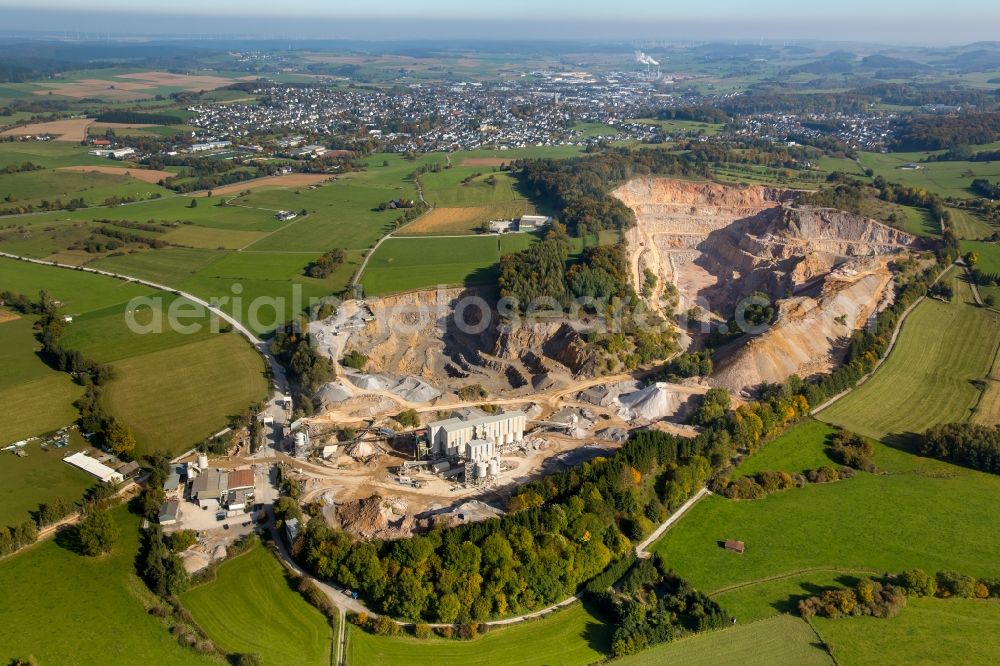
{"x": 96, "y": 469}
{"x": 464, "y": 437}
{"x": 285, "y": 215}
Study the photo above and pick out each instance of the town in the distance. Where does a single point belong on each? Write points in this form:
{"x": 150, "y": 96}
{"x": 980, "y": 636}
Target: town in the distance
{"x": 348, "y": 345}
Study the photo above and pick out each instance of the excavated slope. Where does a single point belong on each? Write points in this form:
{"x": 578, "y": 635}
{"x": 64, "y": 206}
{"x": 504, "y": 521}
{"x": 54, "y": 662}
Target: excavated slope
{"x": 809, "y": 334}
{"x": 718, "y": 244}
{"x": 416, "y": 334}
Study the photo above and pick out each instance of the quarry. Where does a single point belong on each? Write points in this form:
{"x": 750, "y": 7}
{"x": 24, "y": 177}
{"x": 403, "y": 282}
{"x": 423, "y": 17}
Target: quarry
{"x": 497, "y": 405}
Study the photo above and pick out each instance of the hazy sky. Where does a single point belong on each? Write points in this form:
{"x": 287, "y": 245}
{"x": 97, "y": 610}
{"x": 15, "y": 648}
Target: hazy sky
{"x": 910, "y": 21}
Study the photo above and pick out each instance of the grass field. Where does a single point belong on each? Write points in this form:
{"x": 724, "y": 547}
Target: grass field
{"x": 446, "y": 189}
{"x": 64, "y": 608}
{"x": 927, "y": 631}
{"x": 778, "y": 640}
{"x": 916, "y": 512}
{"x": 250, "y": 608}
{"x": 567, "y": 637}
{"x": 38, "y": 478}
{"x": 801, "y": 448}
{"x": 405, "y": 264}
{"x": 927, "y": 378}
{"x": 163, "y": 395}
{"x": 27, "y": 382}
{"x": 31, "y": 187}
{"x": 947, "y": 179}
{"x": 968, "y": 225}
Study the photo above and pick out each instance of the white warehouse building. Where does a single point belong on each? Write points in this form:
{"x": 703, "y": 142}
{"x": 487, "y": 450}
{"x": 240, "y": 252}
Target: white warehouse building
{"x": 458, "y": 437}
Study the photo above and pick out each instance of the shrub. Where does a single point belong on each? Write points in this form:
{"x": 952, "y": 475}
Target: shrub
{"x": 422, "y": 631}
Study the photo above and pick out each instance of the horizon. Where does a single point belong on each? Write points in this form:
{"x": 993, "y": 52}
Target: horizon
{"x": 958, "y": 25}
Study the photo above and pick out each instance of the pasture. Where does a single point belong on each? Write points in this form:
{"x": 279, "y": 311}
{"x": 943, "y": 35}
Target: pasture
{"x": 927, "y": 631}
{"x": 797, "y": 450}
{"x": 38, "y": 478}
{"x": 341, "y": 214}
{"x": 177, "y": 397}
{"x": 778, "y": 640}
{"x": 49, "y": 154}
{"x": 969, "y": 225}
{"x": 32, "y": 187}
{"x": 572, "y": 636}
{"x": 916, "y": 512}
{"x": 927, "y": 379}
{"x": 406, "y": 264}
{"x": 25, "y": 384}
{"x": 51, "y": 594}
{"x": 448, "y": 189}
{"x": 250, "y": 608}
{"x": 947, "y": 179}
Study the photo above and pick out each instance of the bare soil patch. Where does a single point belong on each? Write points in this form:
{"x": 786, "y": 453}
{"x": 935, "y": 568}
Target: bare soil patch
{"x": 7, "y": 315}
{"x": 447, "y": 220}
{"x": 484, "y": 162}
{"x": 289, "y": 180}
{"x": 70, "y": 129}
{"x": 145, "y": 175}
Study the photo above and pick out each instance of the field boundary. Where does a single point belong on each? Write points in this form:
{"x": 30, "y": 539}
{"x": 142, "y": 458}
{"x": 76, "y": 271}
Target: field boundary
{"x": 892, "y": 345}
{"x": 789, "y": 574}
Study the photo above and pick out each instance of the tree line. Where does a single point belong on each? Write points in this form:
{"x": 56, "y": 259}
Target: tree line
{"x": 967, "y": 444}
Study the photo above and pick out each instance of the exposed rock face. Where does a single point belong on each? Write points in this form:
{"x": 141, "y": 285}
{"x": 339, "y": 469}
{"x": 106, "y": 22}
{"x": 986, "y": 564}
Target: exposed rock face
{"x": 718, "y": 244}
{"x": 809, "y": 334}
{"x": 417, "y": 334}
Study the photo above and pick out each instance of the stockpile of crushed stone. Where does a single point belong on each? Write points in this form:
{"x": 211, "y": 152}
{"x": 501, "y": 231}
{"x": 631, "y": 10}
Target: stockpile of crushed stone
{"x": 654, "y": 402}
{"x": 332, "y": 394}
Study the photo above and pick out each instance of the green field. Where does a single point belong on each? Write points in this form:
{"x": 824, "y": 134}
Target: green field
{"x": 27, "y": 382}
{"x": 684, "y": 127}
{"x": 446, "y": 189}
{"x": 250, "y": 608}
{"x": 405, "y": 264}
{"x": 968, "y": 225}
{"x": 64, "y": 608}
{"x": 161, "y": 377}
{"x": 566, "y": 637}
{"x": 51, "y": 154}
{"x": 927, "y": 631}
{"x": 926, "y": 380}
{"x": 163, "y": 395}
{"x": 947, "y": 179}
{"x": 916, "y": 512}
{"x": 779, "y": 640}
{"x": 32, "y": 187}
{"x": 38, "y": 478}
{"x": 800, "y": 449}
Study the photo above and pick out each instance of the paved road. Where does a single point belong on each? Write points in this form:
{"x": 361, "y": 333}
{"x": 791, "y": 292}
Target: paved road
{"x": 641, "y": 551}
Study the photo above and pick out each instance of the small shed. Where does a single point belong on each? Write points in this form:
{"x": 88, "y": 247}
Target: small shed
{"x": 168, "y": 512}
{"x": 735, "y": 546}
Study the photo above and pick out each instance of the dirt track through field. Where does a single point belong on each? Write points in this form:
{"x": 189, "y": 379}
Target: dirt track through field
{"x": 145, "y": 175}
